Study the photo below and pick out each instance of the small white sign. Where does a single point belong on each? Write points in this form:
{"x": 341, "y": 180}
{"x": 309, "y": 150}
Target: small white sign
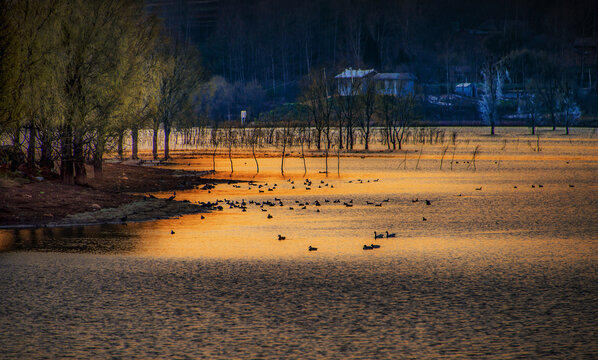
{"x": 243, "y": 116}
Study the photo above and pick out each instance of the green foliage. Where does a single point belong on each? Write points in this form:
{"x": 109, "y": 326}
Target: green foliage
{"x": 84, "y": 71}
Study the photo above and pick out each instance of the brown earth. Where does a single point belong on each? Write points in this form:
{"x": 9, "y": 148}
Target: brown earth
{"x": 25, "y": 201}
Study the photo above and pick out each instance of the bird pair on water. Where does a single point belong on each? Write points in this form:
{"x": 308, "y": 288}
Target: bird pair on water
{"x": 371, "y": 247}
{"x": 388, "y": 235}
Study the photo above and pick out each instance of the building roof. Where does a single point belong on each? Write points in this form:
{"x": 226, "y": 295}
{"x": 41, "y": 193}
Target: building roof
{"x": 395, "y": 76}
{"x": 354, "y": 73}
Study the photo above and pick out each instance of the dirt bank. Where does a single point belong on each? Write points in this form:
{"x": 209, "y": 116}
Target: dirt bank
{"x": 35, "y": 201}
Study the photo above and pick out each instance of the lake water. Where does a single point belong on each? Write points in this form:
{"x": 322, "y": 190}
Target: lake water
{"x": 499, "y": 269}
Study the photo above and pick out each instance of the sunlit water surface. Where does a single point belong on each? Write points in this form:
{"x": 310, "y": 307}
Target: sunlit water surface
{"x": 499, "y": 269}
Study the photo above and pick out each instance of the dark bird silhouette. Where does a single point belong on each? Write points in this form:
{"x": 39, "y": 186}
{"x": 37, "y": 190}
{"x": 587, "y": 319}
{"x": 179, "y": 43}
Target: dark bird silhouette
{"x": 280, "y": 237}
{"x": 391, "y": 235}
{"x": 269, "y": 216}
{"x": 480, "y": 188}
{"x": 311, "y": 248}
{"x": 365, "y": 247}
{"x": 424, "y": 219}
{"x": 375, "y": 246}
{"x": 171, "y": 232}
{"x": 378, "y": 236}
{"x": 428, "y": 202}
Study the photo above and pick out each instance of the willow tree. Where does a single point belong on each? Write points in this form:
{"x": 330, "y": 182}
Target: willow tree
{"x": 179, "y": 75}
{"x": 95, "y": 71}
{"x": 26, "y": 76}
{"x": 120, "y": 101}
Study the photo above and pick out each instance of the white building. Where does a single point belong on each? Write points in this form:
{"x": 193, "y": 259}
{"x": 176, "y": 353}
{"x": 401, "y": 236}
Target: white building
{"x": 397, "y": 84}
{"x": 355, "y": 81}
{"x": 352, "y": 82}
{"x": 466, "y": 89}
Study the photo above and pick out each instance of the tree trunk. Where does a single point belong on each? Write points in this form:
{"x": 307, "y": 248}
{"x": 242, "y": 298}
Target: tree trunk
{"x": 326, "y": 154}
{"x": 134, "y": 143}
{"x": 230, "y": 157}
{"x": 79, "y": 162}
{"x": 45, "y": 160}
{"x": 166, "y": 142}
{"x": 303, "y": 157}
{"x": 98, "y": 155}
{"x": 284, "y": 147}
{"x": 155, "y": 144}
{"x": 318, "y": 139}
{"x": 67, "y": 172}
{"x": 16, "y": 144}
{"x": 31, "y": 147}
{"x": 257, "y": 165}
{"x": 121, "y": 153}
{"x": 214, "y": 158}
{"x": 98, "y": 170}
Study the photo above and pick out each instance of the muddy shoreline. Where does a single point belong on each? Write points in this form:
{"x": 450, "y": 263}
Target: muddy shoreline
{"x": 122, "y": 195}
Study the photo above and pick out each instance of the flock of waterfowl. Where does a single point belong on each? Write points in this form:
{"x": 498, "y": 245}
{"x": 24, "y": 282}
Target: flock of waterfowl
{"x": 264, "y": 205}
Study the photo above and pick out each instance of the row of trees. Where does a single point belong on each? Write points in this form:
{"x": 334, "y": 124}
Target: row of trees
{"x": 77, "y": 74}
{"x": 547, "y": 96}
{"x": 358, "y": 112}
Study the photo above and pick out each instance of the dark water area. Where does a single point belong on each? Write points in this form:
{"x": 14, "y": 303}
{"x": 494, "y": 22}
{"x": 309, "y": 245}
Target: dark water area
{"x": 101, "y": 306}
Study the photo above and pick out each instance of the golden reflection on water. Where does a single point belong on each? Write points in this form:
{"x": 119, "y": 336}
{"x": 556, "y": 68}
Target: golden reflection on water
{"x": 491, "y": 211}
{"x": 514, "y": 201}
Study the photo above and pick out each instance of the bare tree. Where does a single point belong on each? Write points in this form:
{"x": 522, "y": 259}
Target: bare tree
{"x": 493, "y": 76}
{"x": 347, "y": 108}
{"x": 315, "y": 96}
{"x": 254, "y": 140}
{"x": 367, "y": 105}
{"x": 398, "y": 113}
